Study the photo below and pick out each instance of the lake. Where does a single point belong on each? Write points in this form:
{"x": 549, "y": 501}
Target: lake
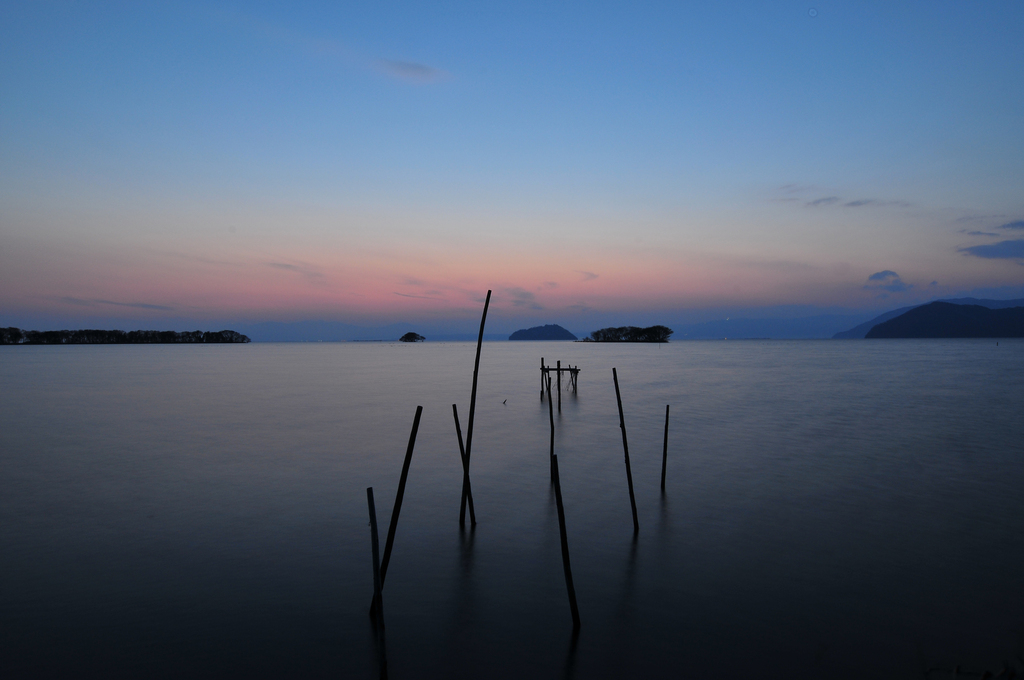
{"x": 833, "y": 509}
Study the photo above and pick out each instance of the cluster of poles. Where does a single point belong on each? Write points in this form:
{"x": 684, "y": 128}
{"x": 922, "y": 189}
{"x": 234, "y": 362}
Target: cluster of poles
{"x": 380, "y": 563}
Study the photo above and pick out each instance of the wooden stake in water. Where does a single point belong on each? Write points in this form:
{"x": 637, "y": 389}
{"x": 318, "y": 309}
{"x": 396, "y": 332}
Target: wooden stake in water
{"x": 465, "y": 471}
{"x": 558, "y": 365}
{"x": 396, "y": 511}
{"x": 551, "y": 417}
{"x": 375, "y": 550}
{"x": 625, "y": 450}
{"x": 565, "y": 547}
{"x": 542, "y": 376}
{"x": 378, "y": 602}
{"x": 399, "y": 496}
{"x": 472, "y": 409}
{"x": 664, "y": 451}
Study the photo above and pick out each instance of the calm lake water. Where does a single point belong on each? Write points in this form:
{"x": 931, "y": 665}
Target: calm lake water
{"x": 834, "y": 509}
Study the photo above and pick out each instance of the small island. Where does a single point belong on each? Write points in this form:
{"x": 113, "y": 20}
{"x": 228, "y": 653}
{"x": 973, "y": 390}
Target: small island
{"x": 630, "y": 334}
{"x": 16, "y": 336}
{"x": 411, "y": 337}
{"x": 548, "y": 332}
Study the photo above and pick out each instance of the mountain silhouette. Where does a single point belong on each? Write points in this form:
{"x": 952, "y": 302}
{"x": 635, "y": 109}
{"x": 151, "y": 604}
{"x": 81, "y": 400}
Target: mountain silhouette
{"x": 947, "y": 320}
{"x": 548, "y": 332}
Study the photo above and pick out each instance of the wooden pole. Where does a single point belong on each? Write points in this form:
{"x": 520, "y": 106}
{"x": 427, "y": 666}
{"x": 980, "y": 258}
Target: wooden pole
{"x": 551, "y": 417}
{"x": 559, "y": 365}
{"x": 664, "y": 452}
{"x": 377, "y": 610}
{"x": 389, "y": 544}
{"x": 625, "y": 450}
{"x": 375, "y": 549}
{"x": 472, "y": 408}
{"x": 565, "y": 547}
{"x": 542, "y": 375}
{"x": 465, "y": 471}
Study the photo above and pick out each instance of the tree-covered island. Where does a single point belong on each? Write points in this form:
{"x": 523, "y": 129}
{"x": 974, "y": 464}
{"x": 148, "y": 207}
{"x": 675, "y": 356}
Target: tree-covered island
{"x": 630, "y": 334}
{"x": 16, "y": 336}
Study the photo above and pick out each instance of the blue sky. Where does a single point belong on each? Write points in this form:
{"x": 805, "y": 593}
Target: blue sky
{"x": 382, "y": 162}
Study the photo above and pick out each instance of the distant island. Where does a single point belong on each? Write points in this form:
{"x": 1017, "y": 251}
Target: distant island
{"x": 16, "y": 336}
{"x": 411, "y": 337}
{"x": 630, "y": 334}
{"x": 549, "y": 332}
{"x": 946, "y": 320}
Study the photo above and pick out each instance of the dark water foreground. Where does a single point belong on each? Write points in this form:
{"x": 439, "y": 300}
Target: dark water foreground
{"x": 833, "y": 510}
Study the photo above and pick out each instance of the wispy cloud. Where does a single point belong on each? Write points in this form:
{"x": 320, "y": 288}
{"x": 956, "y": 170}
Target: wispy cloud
{"x": 861, "y": 202}
{"x": 284, "y": 265}
{"x": 80, "y": 302}
{"x": 549, "y": 285}
{"x": 978, "y": 218}
{"x": 1004, "y": 250}
{"x": 411, "y": 71}
{"x": 309, "y": 272}
{"x": 421, "y": 297}
{"x": 137, "y": 305}
{"x": 791, "y": 189}
{"x": 978, "y": 233}
{"x": 887, "y": 280}
{"x": 1018, "y": 224}
{"x": 522, "y": 298}
{"x": 794, "y": 188}
{"x": 331, "y": 51}
{"x": 587, "y": 276}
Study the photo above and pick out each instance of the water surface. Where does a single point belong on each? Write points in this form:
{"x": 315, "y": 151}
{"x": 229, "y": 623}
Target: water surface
{"x": 839, "y": 509}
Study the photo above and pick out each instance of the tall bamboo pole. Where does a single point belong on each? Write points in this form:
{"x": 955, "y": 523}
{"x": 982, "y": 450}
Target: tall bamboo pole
{"x": 625, "y": 450}
{"x": 472, "y": 409}
{"x": 465, "y": 470}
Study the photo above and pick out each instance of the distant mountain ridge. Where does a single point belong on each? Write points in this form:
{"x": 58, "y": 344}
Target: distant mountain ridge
{"x": 861, "y": 330}
{"x": 549, "y": 331}
{"x": 948, "y": 320}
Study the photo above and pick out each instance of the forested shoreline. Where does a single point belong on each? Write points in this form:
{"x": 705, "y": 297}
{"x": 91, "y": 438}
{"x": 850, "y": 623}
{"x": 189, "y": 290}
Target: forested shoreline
{"x": 16, "y": 336}
{"x": 630, "y": 334}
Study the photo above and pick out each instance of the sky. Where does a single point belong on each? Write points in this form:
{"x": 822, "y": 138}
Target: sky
{"x": 167, "y": 164}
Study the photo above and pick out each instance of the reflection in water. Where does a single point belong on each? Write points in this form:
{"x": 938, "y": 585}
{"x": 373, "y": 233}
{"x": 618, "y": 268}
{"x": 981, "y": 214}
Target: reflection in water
{"x": 570, "y": 657}
{"x": 464, "y": 599}
{"x": 380, "y": 645}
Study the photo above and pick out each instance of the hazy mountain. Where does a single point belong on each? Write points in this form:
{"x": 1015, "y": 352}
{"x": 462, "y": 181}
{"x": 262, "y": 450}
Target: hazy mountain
{"x": 949, "y": 320}
{"x": 861, "y": 330}
{"x": 820, "y": 326}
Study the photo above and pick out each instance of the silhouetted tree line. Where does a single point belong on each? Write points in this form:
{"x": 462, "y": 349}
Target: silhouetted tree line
{"x": 16, "y": 336}
{"x": 632, "y": 334}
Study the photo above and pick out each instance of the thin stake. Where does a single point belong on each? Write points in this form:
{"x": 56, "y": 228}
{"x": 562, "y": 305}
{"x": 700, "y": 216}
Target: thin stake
{"x": 625, "y": 450}
{"x": 565, "y": 547}
{"x": 398, "y": 497}
{"x": 551, "y": 417}
{"x": 664, "y": 451}
{"x": 377, "y": 611}
{"x": 559, "y": 364}
{"x": 542, "y": 374}
{"x": 465, "y": 470}
{"x": 472, "y": 409}
{"x": 378, "y": 582}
